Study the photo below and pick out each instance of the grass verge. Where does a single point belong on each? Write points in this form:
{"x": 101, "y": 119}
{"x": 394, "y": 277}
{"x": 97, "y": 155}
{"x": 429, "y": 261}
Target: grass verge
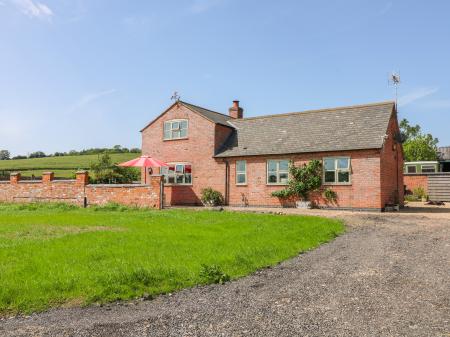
{"x": 56, "y": 254}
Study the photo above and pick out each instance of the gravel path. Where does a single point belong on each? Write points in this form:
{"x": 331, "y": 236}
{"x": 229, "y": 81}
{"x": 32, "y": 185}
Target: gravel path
{"x": 388, "y": 276}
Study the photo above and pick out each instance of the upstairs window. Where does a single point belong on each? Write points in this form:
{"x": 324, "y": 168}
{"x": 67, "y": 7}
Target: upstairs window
{"x": 241, "y": 172}
{"x": 336, "y": 170}
{"x": 175, "y": 129}
{"x": 428, "y": 169}
{"x": 177, "y": 174}
{"x": 277, "y": 172}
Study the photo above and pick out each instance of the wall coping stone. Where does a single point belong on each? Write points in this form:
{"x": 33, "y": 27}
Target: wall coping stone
{"x": 117, "y": 185}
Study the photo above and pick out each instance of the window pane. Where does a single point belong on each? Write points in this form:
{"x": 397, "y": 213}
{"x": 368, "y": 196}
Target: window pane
{"x": 240, "y": 178}
{"x": 329, "y": 177}
{"x": 272, "y": 178}
{"x": 175, "y": 134}
{"x": 329, "y": 164}
{"x": 187, "y": 168}
{"x": 171, "y": 169}
{"x": 179, "y": 168}
{"x": 171, "y": 179}
{"x": 283, "y": 178}
{"x": 272, "y": 165}
{"x": 343, "y": 176}
{"x": 183, "y": 124}
{"x": 175, "y": 125}
{"x": 187, "y": 178}
{"x": 166, "y": 126}
{"x": 167, "y": 134}
{"x": 180, "y": 178}
{"x": 343, "y": 163}
{"x": 428, "y": 168}
{"x": 164, "y": 170}
{"x": 411, "y": 169}
{"x": 240, "y": 166}
{"x": 284, "y": 165}
{"x": 183, "y": 133}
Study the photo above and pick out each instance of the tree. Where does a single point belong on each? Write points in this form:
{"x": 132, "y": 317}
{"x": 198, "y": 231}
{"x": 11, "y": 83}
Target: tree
{"x": 418, "y": 146}
{"x": 37, "y": 154}
{"x": 4, "y": 155}
{"x": 106, "y": 172}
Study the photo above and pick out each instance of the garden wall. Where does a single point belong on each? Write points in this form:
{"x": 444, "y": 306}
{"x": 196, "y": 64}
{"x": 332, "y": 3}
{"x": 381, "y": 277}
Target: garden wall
{"x": 80, "y": 192}
{"x": 413, "y": 181}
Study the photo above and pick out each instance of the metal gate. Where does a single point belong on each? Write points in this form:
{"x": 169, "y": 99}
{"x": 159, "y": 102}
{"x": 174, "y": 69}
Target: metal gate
{"x": 439, "y": 187}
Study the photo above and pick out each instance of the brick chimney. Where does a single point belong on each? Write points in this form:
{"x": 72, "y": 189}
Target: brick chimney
{"x": 235, "y": 111}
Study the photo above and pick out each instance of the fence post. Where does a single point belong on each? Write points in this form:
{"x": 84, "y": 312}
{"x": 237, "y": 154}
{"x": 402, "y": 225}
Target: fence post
{"x": 14, "y": 178}
{"x": 47, "y": 177}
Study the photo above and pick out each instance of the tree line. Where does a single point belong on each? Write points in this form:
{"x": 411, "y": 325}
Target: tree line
{"x": 6, "y": 155}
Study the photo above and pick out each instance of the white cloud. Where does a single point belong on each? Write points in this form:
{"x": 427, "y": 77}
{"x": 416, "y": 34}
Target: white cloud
{"x": 89, "y": 98}
{"x": 416, "y": 95}
{"x": 33, "y": 9}
{"x": 201, "y": 6}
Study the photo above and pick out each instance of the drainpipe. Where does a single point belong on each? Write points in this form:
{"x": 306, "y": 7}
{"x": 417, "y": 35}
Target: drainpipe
{"x": 227, "y": 181}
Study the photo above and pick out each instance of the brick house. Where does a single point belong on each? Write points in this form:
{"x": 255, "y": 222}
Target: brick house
{"x": 247, "y": 158}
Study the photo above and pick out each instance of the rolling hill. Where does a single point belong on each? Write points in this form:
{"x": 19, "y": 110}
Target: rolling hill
{"x": 63, "y": 167}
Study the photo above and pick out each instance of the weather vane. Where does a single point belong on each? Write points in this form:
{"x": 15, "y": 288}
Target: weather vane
{"x": 175, "y": 97}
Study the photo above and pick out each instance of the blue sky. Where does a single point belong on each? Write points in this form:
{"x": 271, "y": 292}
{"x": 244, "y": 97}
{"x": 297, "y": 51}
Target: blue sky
{"x": 87, "y": 73}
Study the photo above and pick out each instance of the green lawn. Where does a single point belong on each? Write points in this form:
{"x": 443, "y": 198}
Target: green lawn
{"x": 52, "y": 255}
{"x": 64, "y": 166}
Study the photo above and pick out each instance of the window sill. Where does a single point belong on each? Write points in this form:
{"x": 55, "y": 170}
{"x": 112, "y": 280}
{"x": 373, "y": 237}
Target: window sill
{"x": 277, "y": 184}
{"x": 241, "y": 184}
{"x": 174, "y": 185}
{"x": 169, "y": 140}
{"x": 337, "y": 184}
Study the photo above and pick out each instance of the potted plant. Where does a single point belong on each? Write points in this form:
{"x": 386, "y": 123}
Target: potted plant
{"x": 302, "y": 180}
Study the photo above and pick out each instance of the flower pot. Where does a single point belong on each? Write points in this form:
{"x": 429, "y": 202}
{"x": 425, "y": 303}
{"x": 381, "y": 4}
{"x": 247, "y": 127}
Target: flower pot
{"x": 303, "y": 204}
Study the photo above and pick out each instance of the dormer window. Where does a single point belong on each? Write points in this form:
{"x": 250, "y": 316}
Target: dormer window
{"x": 175, "y": 129}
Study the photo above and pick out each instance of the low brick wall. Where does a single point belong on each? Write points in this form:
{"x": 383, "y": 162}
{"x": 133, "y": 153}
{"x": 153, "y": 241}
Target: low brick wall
{"x": 413, "y": 181}
{"x": 79, "y": 192}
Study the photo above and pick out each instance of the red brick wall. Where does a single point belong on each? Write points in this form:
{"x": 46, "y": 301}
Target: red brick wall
{"x": 198, "y": 150}
{"x": 392, "y": 167}
{"x": 414, "y": 181}
{"x": 74, "y": 191}
{"x": 363, "y": 192}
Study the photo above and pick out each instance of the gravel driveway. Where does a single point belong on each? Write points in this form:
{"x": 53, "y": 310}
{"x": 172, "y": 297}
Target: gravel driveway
{"x": 387, "y": 276}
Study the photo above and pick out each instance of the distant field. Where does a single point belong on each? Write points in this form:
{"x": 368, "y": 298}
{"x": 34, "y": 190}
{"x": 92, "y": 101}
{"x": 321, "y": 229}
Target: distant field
{"x": 63, "y": 167}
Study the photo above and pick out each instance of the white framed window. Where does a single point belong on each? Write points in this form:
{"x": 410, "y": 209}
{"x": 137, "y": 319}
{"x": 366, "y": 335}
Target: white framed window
{"x": 177, "y": 174}
{"x": 277, "y": 172}
{"x": 336, "y": 170}
{"x": 241, "y": 172}
{"x": 175, "y": 129}
{"x": 411, "y": 169}
{"x": 428, "y": 169}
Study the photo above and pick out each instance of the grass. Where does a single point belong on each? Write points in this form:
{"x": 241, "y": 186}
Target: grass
{"x": 64, "y": 166}
{"x": 60, "y": 255}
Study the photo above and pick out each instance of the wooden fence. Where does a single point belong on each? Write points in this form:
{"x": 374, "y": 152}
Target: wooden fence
{"x": 439, "y": 187}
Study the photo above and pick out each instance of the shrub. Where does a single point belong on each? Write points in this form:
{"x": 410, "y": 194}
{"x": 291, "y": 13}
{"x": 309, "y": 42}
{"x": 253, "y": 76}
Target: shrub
{"x": 303, "y": 180}
{"x": 330, "y": 195}
{"x": 213, "y": 274}
{"x": 419, "y": 192}
{"x": 211, "y": 197}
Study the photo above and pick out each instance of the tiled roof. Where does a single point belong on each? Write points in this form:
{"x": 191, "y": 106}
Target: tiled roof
{"x": 213, "y": 116}
{"x": 338, "y": 129}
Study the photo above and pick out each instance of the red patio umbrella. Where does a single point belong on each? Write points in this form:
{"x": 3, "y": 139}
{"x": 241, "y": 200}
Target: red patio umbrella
{"x": 144, "y": 161}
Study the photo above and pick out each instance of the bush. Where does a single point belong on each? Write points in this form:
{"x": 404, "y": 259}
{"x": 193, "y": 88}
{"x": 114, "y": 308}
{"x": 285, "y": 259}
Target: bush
{"x": 330, "y": 195}
{"x": 211, "y": 197}
{"x": 419, "y": 193}
{"x": 106, "y": 172}
{"x": 213, "y": 274}
{"x": 303, "y": 180}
